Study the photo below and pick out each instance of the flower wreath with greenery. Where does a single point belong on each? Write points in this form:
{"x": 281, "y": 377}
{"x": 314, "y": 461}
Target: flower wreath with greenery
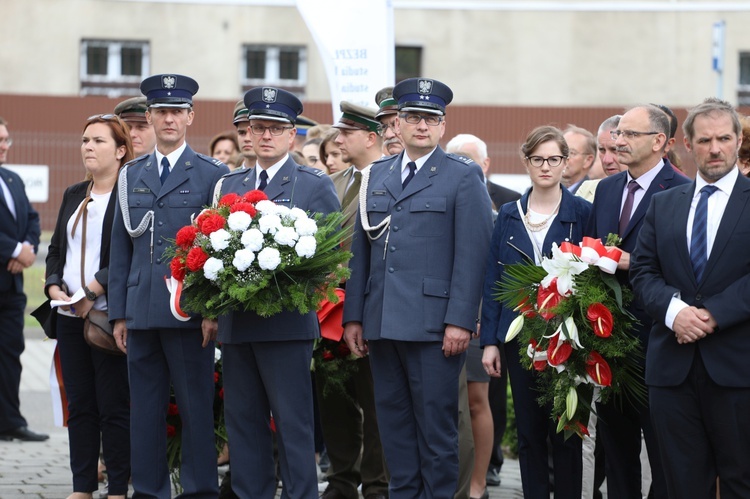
{"x": 249, "y": 254}
{"x": 574, "y": 329}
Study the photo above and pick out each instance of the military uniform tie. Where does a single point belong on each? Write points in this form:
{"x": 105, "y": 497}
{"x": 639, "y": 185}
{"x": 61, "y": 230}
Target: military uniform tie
{"x": 164, "y": 170}
{"x": 412, "y": 170}
{"x": 263, "y": 180}
{"x": 353, "y": 190}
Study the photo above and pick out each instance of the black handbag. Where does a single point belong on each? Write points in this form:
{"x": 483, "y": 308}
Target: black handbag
{"x": 47, "y": 319}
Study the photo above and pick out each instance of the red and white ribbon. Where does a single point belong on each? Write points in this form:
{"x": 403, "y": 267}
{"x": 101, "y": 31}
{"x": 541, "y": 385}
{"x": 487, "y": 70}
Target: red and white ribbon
{"x": 593, "y": 252}
{"x": 175, "y": 292}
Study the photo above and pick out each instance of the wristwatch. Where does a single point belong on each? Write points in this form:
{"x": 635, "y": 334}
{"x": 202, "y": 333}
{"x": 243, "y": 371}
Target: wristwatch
{"x": 90, "y": 295}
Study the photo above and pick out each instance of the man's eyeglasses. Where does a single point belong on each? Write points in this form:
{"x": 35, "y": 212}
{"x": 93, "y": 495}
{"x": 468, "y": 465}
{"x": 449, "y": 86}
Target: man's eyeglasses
{"x": 414, "y": 119}
{"x": 275, "y": 130}
{"x": 629, "y": 134}
{"x": 538, "y": 161}
{"x": 7, "y": 141}
{"x": 383, "y": 127}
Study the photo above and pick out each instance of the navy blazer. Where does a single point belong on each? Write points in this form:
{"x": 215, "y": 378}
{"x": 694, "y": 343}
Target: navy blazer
{"x": 511, "y": 244}
{"x": 661, "y": 267}
{"x": 605, "y": 219}
{"x": 137, "y": 291}
{"x": 427, "y": 271}
{"x": 292, "y": 186}
{"x": 25, "y": 227}
{"x": 59, "y": 245}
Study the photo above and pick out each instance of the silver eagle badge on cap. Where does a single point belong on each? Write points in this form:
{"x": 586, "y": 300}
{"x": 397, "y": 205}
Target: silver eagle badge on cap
{"x": 269, "y": 95}
{"x": 425, "y": 87}
{"x": 168, "y": 82}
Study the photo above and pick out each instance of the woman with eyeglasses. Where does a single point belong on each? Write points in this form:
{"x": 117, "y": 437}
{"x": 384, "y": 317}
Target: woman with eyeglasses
{"x": 96, "y": 383}
{"x": 524, "y": 231}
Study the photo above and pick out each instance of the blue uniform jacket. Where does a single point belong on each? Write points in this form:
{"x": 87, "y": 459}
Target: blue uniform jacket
{"x": 292, "y": 186}
{"x": 137, "y": 291}
{"x": 426, "y": 271}
{"x": 511, "y": 244}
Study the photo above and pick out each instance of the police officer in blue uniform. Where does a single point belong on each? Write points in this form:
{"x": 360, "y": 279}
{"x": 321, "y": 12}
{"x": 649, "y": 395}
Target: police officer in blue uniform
{"x": 158, "y": 193}
{"x": 267, "y": 360}
{"x": 413, "y": 297}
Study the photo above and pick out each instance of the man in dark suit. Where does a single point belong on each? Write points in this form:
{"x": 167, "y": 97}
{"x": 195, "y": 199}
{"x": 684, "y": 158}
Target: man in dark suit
{"x": 19, "y": 239}
{"x": 161, "y": 191}
{"x": 267, "y": 360}
{"x": 691, "y": 268}
{"x": 350, "y": 427}
{"x": 619, "y": 206}
{"x": 413, "y": 296}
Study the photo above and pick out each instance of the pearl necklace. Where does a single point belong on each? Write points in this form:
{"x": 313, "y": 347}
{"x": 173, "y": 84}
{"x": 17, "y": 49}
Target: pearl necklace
{"x": 539, "y": 226}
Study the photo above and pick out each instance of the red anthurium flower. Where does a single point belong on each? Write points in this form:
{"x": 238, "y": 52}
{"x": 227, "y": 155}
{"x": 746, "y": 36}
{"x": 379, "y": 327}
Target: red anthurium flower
{"x": 547, "y": 299}
{"x": 229, "y": 199}
{"x": 186, "y": 236}
{"x": 216, "y": 377}
{"x": 601, "y": 320}
{"x": 272, "y": 425}
{"x": 598, "y": 369}
{"x": 254, "y": 196}
{"x": 171, "y": 431}
{"x": 525, "y": 308}
{"x": 328, "y": 355}
{"x": 177, "y": 268}
{"x": 558, "y": 351}
{"x": 248, "y": 208}
{"x": 581, "y": 428}
{"x": 539, "y": 365}
{"x": 195, "y": 259}
{"x": 172, "y": 409}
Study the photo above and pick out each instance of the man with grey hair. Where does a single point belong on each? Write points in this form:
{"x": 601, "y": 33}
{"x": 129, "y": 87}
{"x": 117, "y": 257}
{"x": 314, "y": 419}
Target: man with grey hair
{"x": 472, "y": 147}
{"x": 690, "y": 268}
{"x": 581, "y": 157}
{"x": 619, "y": 208}
{"x": 607, "y": 155}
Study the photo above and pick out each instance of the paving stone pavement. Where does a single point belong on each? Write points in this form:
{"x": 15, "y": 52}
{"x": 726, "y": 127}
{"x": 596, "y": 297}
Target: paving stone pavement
{"x": 40, "y": 469}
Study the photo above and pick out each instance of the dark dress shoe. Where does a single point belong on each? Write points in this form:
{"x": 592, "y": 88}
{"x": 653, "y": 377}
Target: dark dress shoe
{"x": 23, "y": 433}
{"x": 332, "y": 493}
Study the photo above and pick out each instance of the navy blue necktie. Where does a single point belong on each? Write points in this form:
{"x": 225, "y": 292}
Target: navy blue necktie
{"x": 164, "y": 170}
{"x": 412, "y": 170}
{"x": 698, "y": 246}
{"x": 263, "y": 180}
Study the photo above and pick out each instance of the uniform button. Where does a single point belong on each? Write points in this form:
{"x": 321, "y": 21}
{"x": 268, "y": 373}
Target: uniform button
{"x": 158, "y": 243}
{"x": 138, "y": 203}
{"x": 161, "y": 205}
{"x": 374, "y": 205}
{"x": 393, "y": 248}
{"x": 158, "y": 260}
{"x": 698, "y": 297}
{"x": 427, "y": 205}
{"x": 391, "y": 270}
{"x": 184, "y": 202}
{"x": 160, "y": 224}
{"x": 395, "y": 229}
{"x": 445, "y": 292}
{"x": 398, "y": 208}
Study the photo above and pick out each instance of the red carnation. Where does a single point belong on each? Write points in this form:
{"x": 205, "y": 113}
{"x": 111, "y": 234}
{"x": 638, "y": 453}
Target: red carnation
{"x": 195, "y": 259}
{"x": 172, "y": 409}
{"x": 601, "y": 320}
{"x": 212, "y": 223}
{"x": 229, "y": 199}
{"x": 216, "y": 377}
{"x": 254, "y": 196}
{"x": 558, "y": 351}
{"x": 244, "y": 206}
{"x": 272, "y": 425}
{"x": 177, "y": 267}
{"x": 171, "y": 431}
{"x": 328, "y": 355}
{"x": 186, "y": 236}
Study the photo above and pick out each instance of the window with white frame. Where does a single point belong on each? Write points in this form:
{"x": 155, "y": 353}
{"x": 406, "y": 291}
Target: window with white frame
{"x": 113, "y": 67}
{"x": 279, "y": 65}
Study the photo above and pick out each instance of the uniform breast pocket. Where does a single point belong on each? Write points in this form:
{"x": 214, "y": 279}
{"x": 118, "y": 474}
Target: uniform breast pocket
{"x": 377, "y": 210}
{"x": 428, "y": 217}
{"x": 139, "y": 204}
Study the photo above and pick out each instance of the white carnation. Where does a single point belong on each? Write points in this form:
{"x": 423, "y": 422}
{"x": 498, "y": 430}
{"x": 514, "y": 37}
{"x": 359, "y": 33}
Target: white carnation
{"x": 220, "y": 239}
{"x": 297, "y": 213}
{"x": 212, "y": 267}
{"x": 266, "y": 207}
{"x": 243, "y": 259}
{"x": 306, "y": 246}
{"x": 306, "y": 226}
{"x": 283, "y": 211}
{"x": 269, "y": 224}
{"x": 217, "y": 355}
{"x": 239, "y": 220}
{"x": 286, "y": 236}
{"x": 252, "y": 239}
{"x": 269, "y": 258}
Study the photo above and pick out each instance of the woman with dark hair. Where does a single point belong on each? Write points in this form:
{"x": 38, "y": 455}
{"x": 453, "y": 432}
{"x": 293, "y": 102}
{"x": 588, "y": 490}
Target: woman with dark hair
{"x": 330, "y": 152}
{"x": 96, "y": 383}
{"x": 224, "y": 146}
{"x": 524, "y": 231}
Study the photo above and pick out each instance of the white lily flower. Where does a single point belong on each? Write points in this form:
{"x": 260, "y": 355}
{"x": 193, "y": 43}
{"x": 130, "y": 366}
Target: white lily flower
{"x": 571, "y": 403}
{"x": 563, "y": 266}
{"x": 515, "y": 327}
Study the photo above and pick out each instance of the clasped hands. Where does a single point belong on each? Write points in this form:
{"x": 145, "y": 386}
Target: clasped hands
{"x": 25, "y": 259}
{"x": 692, "y": 324}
